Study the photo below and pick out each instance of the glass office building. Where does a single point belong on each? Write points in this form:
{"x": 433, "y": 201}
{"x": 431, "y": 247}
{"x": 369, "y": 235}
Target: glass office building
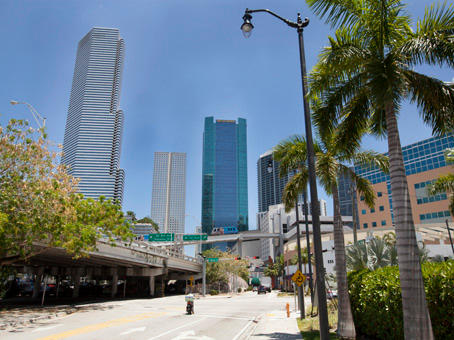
{"x": 424, "y": 162}
{"x": 224, "y": 175}
{"x": 92, "y": 142}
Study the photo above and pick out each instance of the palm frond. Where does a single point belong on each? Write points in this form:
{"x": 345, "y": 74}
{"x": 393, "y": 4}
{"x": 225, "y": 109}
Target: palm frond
{"x": 435, "y": 100}
{"x": 327, "y": 170}
{"x": 363, "y": 187}
{"x": 372, "y": 158}
{"x": 432, "y": 42}
{"x": 294, "y": 187}
{"x": 337, "y": 12}
{"x": 291, "y": 153}
{"x": 443, "y": 184}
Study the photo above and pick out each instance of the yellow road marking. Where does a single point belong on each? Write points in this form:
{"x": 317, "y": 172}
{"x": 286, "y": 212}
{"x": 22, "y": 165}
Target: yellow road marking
{"x": 270, "y": 314}
{"x": 95, "y": 327}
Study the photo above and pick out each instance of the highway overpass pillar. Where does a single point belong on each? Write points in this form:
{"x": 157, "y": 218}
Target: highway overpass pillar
{"x": 152, "y": 283}
{"x": 114, "y": 281}
{"x": 38, "y": 277}
{"x": 76, "y": 276}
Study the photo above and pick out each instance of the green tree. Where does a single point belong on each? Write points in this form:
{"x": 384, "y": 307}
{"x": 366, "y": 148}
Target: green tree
{"x": 131, "y": 215}
{"x": 229, "y": 263}
{"x": 445, "y": 184}
{"x": 362, "y": 77}
{"x": 275, "y": 269}
{"x": 331, "y": 157}
{"x": 39, "y": 202}
{"x": 147, "y": 219}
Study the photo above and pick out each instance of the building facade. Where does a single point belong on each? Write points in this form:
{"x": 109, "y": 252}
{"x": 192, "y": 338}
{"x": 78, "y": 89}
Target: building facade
{"x": 269, "y": 182}
{"x": 92, "y": 141}
{"x": 424, "y": 162}
{"x": 224, "y": 175}
{"x": 168, "y": 200}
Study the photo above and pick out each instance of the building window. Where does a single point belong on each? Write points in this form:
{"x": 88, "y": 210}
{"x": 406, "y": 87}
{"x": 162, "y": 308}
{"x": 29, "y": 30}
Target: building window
{"x": 374, "y": 224}
{"x": 372, "y": 210}
{"x": 382, "y": 208}
{"x": 383, "y": 222}
{"x": 379, "y": 194}
{"x": 363, "y": 211}
{"x": 365, "y": 225}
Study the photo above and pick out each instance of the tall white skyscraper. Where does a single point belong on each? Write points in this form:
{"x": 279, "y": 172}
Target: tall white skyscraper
{"x": 92, "y": 142}
{"x": 169, "y": 191}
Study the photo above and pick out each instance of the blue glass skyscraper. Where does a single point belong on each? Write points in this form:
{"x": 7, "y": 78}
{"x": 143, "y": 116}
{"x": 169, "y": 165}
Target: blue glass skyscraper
{"x": 224, "y": 175}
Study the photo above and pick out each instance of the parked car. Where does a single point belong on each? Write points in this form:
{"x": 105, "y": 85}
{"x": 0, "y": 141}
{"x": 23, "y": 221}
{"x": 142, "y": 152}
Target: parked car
{"x": 262, "y": 289}
{"x": 255, "y": 288}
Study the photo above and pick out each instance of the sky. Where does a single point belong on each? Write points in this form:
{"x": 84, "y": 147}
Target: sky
{"x": 184, "y": 60}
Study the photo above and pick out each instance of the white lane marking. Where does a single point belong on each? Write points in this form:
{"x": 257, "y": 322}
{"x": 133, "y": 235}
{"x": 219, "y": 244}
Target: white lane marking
{"x": 133, "y": 330}
{"x": 190, "y": 335}
{"x": 44, "y": 328}
{"x": 173, "y": 330}
{"x": 242, "y": 330}
{"x": 225, "y": 317}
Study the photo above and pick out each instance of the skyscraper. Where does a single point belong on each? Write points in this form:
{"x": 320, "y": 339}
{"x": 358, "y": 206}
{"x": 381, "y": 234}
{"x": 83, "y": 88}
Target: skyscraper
{"x": 169, "y": 191}
{"x": 424, "y": 163}
{"x": 269, "y": 182}
{"x": 224, "y": 175}
{"x": 92, "y": 141}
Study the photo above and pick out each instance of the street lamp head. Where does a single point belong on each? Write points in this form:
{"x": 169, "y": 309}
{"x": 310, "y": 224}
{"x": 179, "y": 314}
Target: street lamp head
{"x": 247, "y": 26}
{"x": 270, "y": 167}
{"x": 14, "y": 102}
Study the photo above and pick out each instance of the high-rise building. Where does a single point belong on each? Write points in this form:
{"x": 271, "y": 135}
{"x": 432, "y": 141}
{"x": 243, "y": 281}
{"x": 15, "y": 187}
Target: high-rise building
{"x": 322, "y": 208}
{"x": 224, "y": 175}
{"x": 169, "y": 191}
{"x": 270, "y": 184}
{"x": 424, "y": 162}
{"x": 92, "y": 141}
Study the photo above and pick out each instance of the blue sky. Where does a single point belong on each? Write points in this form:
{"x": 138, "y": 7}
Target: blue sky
{"x": 185, "y": 60}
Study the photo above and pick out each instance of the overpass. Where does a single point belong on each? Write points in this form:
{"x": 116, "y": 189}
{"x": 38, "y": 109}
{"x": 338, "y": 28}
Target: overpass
{"x": 113, "y": 261}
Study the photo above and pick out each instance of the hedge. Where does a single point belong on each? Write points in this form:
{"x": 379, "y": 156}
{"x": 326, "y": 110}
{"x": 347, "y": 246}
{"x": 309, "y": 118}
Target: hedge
{"x": 377, "y": 304}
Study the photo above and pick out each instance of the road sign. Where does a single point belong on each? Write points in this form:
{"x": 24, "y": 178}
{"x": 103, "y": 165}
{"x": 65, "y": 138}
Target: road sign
{"x": 195, "y": 237}
{"x": 212, "y": 259}
{"x": 163, "y": 237}
{"x": 298, "y": 278}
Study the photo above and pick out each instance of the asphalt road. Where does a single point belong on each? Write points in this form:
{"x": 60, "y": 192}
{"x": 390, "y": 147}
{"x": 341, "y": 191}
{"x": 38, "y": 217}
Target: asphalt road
{"x": 217, "y": 317}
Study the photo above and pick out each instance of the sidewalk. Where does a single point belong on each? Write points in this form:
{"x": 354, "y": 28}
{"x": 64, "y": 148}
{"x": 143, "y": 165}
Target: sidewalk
{"x": 276, "y": 325}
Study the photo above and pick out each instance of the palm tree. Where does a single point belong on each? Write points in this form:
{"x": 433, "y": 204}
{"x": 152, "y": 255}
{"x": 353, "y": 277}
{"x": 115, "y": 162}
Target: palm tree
{"x": 330, "y": 156}
{"x": 362, "y": 77}
{"x": 357, "y": 256}
{"x": 445, "y": 184}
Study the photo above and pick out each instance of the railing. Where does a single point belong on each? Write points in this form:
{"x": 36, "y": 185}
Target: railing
{"x": 146, "y": 247}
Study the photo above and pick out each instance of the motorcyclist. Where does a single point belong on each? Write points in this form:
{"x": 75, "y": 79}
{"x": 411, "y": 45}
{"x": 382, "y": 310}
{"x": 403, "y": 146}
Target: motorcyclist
{"x": 189, "y": 303}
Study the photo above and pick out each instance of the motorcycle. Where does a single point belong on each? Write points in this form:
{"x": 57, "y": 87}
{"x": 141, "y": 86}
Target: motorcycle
{"x": 189, "y": 303}
{"x": 190, "y": 307}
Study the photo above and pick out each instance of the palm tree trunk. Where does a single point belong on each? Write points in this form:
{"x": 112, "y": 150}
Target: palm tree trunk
{"x": 345, "y": 324}
{"x": 416, "y": 314}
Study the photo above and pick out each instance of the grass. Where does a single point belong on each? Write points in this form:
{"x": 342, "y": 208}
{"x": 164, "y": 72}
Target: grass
{"x": 310, "y": 329}
{"x": 283, "y": 294}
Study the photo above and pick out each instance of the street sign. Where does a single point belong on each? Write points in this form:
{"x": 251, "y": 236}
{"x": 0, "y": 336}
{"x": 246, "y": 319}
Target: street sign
{"x": 212, "y": 259}
{"x": 298, "y": 278}
{"x": 195, "y": 237}
{"x": 163, "y": 237}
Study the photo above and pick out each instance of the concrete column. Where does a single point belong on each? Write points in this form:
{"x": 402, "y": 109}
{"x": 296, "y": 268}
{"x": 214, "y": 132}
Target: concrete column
{"x": 36, "y": 286}
{"x": 152, "y": 284}
{"x": 114, "y": 282}
{"x": 76, "y": 277}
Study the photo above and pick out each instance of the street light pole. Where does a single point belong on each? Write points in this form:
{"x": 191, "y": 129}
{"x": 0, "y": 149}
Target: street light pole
{"x": 354, "y": 216}
{"x": 247, "y": 28}
{"x": 449, "y": 233}
{"x": 308, "y": 242}
{"x": 35, "y": 113}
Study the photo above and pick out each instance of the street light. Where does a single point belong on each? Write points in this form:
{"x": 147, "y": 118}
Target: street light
{"x": 35, "y": 113}
{"x": 299, "y": 25}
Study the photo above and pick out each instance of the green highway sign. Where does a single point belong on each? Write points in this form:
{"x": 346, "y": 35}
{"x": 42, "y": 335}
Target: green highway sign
{"x": 212, "y": 259}
{"x": 195, "y": 237}
{"x": 163, "y": 237}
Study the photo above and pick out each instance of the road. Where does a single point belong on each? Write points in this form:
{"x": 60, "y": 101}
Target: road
{"x": 218, "y": 317}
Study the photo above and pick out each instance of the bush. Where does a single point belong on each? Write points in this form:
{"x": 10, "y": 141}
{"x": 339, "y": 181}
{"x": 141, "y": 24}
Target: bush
{"x": 249, "y": 288}
{"x": 214, "y": 292}
{"x": 377, "y": 304}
